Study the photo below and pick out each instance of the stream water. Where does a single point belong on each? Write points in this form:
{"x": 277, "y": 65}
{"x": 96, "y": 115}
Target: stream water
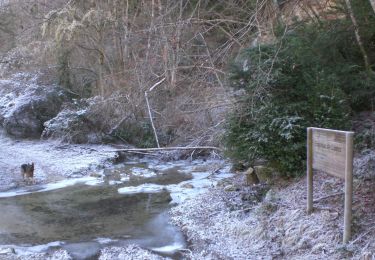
{"x": 127, "y": 204}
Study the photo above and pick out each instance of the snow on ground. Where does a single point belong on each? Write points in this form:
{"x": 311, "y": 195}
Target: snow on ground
{"x": 278, "y": 227}
{"x": 130, "y": 252}
{"x": 53, "y": 161}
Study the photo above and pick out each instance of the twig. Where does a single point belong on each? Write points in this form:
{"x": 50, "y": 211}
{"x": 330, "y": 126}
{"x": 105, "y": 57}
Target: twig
{"x": 245, "y": 209}
{"x": 329, "y": 196}
{"x": 326, "y": 208}
{"x": 361, "y": 236}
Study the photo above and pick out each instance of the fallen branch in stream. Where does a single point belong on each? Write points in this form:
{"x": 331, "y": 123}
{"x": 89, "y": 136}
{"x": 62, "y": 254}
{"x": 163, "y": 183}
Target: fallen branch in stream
{"x": 165, "y": 149}
{"x": 142, "y": 153}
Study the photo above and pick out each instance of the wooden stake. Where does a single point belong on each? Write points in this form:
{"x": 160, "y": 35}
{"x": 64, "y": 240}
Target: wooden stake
{"x": 309, "y": 172}
{"x": 348, "y": 188}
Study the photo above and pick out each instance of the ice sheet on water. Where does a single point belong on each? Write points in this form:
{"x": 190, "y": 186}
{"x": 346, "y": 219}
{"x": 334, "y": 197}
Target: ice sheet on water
{"x": 143, "y": 172}
{"x": 169, "y": 249}
{"x": 158, "y": 166}
{"x": 51, "y": 186}
{"x": 182, "y": 191}
{"x": 105, "y": 240}
{"x": 27, "y": 250}
{"x": 112, "y": 182}
{"x": 144, "y": 188}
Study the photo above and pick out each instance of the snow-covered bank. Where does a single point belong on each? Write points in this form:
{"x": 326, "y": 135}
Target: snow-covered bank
{"x": 53, "y": 161}
{"x": 219, "y": 226}
{"x": 130, "y": 252}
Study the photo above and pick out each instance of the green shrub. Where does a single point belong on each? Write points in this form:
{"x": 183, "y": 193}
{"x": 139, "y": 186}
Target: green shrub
{"x": 311, "y": 76}
{"x": 137, "y": 133}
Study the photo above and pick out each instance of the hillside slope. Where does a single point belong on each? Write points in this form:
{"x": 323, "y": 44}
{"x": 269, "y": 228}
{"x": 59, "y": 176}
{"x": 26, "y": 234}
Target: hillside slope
{"x": 233, "y": 225}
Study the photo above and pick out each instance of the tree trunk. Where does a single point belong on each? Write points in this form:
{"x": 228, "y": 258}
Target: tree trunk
{"x": 372, "y": 2}
{"x": 357, "y": 35}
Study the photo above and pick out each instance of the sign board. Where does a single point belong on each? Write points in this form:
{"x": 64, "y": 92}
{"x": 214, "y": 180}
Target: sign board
{"x": 331, "y": 151}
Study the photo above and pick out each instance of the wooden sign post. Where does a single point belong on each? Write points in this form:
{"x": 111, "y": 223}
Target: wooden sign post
{"x": 331, "y": 151}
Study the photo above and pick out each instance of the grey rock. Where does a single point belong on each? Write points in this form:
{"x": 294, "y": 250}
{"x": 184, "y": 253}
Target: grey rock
{"x": 230, "y": 187}
{"x": 25, "y": 113}
{"x": 187, "y": 186}
{"x": 74, "y": 124}
{"x": 86, "y": 120}
{"x": 264, "y": 173}
{"x": 251, "y": 177}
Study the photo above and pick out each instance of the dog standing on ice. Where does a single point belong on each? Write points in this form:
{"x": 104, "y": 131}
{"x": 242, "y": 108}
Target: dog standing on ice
{"x": 27, "y": 171}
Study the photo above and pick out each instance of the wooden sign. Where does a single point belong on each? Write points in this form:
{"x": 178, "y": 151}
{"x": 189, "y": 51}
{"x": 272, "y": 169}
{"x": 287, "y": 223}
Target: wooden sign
{"x": 331, "y": 151}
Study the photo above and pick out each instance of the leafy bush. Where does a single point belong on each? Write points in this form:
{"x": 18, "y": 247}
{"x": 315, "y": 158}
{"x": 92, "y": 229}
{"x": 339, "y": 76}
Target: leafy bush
{"x": 311, "y": 76}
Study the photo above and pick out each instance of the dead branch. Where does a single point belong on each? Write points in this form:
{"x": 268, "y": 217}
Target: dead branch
{"x": 362, "y": 236}
{"x": 165, "y": 149}
{"x": 329, "y": 196}
{"x": 149, "y": 110}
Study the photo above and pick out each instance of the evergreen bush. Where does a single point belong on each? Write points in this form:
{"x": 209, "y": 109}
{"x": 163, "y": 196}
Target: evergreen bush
{"x": 312, "y": 75}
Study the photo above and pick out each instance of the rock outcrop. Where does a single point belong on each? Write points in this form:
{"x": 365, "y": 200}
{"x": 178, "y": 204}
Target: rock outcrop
{"x": 25, "y": 106}
{"x": 74, "y": 124}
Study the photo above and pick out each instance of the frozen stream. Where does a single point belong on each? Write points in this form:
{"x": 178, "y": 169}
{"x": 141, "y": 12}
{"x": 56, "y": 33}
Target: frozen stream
{"x": 82, "y": 208}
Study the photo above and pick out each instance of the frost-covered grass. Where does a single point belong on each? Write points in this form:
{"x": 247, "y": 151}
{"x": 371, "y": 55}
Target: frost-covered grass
{"x": 278, "y": 227}
{"x": 128, "y": 252}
